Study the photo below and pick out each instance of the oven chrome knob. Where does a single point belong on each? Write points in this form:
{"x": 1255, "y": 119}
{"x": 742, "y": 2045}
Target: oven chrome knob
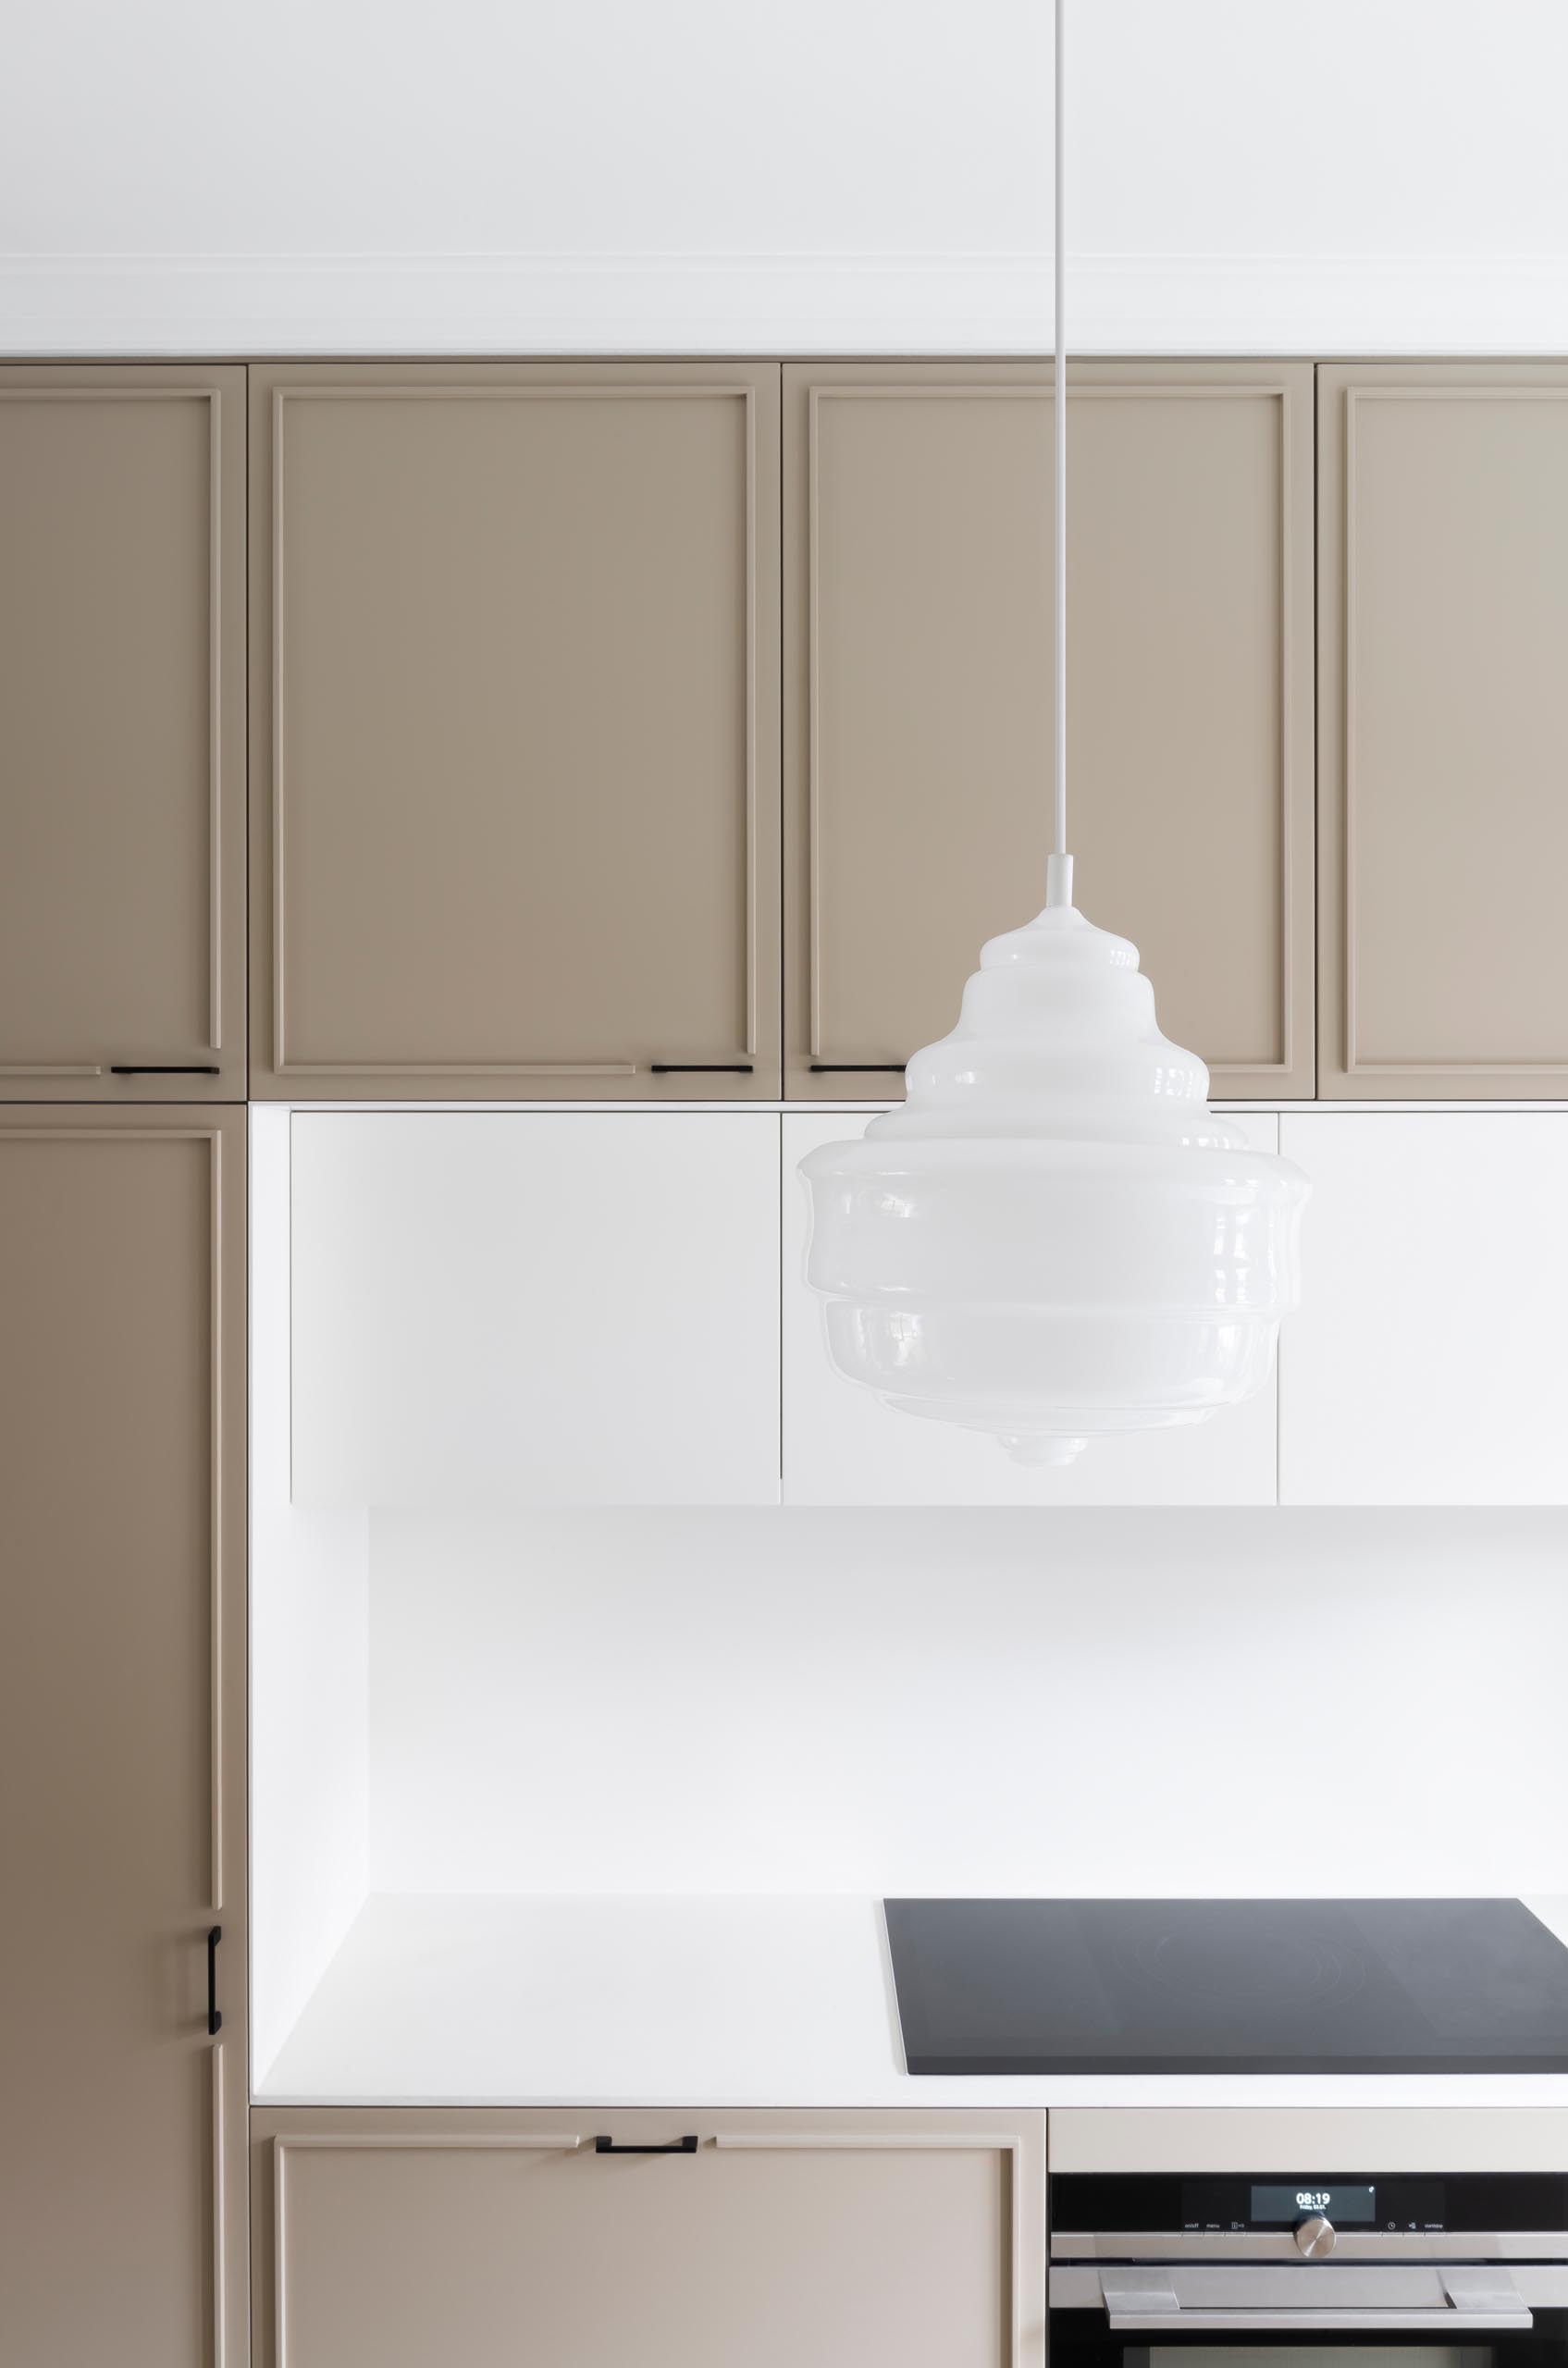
{"x": 1315, "y": 2237}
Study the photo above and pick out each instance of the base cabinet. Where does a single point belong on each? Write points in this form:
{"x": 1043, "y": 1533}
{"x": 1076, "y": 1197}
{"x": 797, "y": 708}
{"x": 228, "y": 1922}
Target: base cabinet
{"x": 387, "y": 2239}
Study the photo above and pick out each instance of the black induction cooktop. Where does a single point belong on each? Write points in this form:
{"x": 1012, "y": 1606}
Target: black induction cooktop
{"x": 1227, "y": 1985}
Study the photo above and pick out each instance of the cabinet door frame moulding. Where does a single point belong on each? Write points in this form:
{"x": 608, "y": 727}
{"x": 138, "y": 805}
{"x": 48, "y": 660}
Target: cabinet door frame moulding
{"x": 1010, "y": 2149}
{"x": 228, "y": 2050}
{"x": 211, "y": 386}
{"x": 1018, "y": 2139}
{"x": 407, "y": 2142}
{"x": 1352, "y": 386}
{"x": 1296, "y": 757}
{"x": 316, "y": 383}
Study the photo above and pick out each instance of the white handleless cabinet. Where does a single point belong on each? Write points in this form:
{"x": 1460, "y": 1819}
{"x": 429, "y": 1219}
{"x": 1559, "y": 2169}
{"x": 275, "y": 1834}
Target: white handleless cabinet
{"x": 842, "y": 1447}
{"x": 1426, "y": 1364}
{"x": 571, "y": 1307}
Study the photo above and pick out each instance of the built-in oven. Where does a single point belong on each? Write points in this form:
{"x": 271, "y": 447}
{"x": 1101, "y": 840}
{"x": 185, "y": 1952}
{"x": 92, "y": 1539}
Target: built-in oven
{"x": 1317, "y": 2270}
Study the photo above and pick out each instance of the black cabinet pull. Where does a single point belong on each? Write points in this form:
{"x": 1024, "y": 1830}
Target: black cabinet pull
{"x": 215, "y": 2020}
{"x": 858, "y": 1068}
{"x": 675, "y": 2146}
{"x": 163, "y": 1069}
{"x": 700, "y": 1068}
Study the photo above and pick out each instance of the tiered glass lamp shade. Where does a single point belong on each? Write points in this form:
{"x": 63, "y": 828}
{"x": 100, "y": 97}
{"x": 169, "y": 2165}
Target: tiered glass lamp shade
{"x": 1055, "y": 1239}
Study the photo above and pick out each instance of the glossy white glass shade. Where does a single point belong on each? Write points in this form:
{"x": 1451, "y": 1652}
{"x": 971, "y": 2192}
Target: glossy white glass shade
{"x": 1055, "y": 1239}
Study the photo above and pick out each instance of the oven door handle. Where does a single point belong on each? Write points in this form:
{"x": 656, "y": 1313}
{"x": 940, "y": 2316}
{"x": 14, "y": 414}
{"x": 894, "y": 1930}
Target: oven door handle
{"x": 1480, "y": 2301}
{"x": 1318, "y": 2322}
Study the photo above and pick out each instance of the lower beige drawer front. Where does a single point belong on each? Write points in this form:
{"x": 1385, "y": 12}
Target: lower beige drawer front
{"x": 393, "y": 2238}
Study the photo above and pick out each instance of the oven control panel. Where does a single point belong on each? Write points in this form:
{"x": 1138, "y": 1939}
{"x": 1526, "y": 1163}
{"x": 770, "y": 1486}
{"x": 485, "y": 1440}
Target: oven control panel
{"x": 1311, "y": 2212}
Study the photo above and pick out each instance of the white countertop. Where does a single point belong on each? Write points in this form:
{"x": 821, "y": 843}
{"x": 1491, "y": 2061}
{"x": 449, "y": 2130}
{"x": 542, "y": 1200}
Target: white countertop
{"x": 661, "y": 2001}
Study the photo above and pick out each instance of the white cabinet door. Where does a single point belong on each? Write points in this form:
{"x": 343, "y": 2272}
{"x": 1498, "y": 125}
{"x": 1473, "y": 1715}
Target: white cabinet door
{"x": 573, "y": 1307}
{"x": 1426, "y": 1364}
{"x": 842, "y": 1447}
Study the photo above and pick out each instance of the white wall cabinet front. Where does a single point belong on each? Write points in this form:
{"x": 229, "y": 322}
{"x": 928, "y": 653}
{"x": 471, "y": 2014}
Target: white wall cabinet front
{"x": 841, "y": 1447}
{"x": 573, "y": 1307}
{"x": 1426, "y": 1365}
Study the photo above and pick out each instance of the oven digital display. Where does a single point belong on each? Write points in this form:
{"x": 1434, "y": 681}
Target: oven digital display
{"x": 1344, "y": 2205}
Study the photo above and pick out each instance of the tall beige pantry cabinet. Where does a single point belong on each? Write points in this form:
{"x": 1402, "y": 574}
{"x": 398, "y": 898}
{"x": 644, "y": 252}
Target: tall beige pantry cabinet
{"x": 122, "y": 1735}
{"x": 514, "y": 730}
{"x": 122, "y": 732}
{"x": 918, "y": 697}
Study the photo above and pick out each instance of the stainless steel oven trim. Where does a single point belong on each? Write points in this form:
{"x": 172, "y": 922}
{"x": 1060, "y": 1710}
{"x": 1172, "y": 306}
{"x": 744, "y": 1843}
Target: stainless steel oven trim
{"x": 1350, "y": 2244}
{"x": 1346, "y": 2297}
{"x": 1317, "y": 2323}
{"x": 1426, "y": 2295}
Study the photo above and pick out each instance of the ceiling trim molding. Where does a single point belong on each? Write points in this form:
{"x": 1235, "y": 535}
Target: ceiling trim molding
{"x": 860, "y": 303}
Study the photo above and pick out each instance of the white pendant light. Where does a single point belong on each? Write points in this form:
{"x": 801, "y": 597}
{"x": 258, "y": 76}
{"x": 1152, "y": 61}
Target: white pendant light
{"x": 1054, "y": 1239}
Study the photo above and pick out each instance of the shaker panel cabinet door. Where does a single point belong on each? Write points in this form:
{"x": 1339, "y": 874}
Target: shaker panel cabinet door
{"x": 1443, "y": 728}
{"x": 918, "y": 628}
{"x": 390, "y": 2239}
{"x": 122, "y": 734}
{"x": 514, "y": 722}
{"x": 548, "y": 1308}
{"x": 122, "y": 1751}
{"x": 842, "y": 1447}
{"x": 1424, "y": 1364}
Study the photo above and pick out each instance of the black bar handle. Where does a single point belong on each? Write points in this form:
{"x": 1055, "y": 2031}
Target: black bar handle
{"x": 675, "y": 2146}
{"x": 215, "y": 2020}
{"x": 858, "y": 1068}
{"x": 163, "y": 1069}
{"x": 701, "y": 1068}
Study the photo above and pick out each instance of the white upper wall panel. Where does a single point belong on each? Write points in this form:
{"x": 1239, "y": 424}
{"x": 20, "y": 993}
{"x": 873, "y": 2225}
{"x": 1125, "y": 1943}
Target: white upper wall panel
{"x": 500, "y": 1307}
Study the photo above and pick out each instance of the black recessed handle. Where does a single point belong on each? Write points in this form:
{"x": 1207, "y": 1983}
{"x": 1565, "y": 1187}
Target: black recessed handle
{"x": 675, "y": 2146}
{"x": 701, "y": 1068}
{"x": 858, "y": 1068}
{"x": 163, "y": 1069}
{"x": 215, "y": 2020}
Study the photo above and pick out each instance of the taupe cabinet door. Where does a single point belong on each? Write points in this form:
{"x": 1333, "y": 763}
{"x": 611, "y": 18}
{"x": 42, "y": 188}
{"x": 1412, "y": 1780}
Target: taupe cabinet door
{"x": 122, "y": 1288}
{"x": 515, "y": 730}
{"x": 122, "y": 732}
{"x": 390, "y": 2239}
{"x": 1443, "y": 812}
{"x": 919, "y": 617}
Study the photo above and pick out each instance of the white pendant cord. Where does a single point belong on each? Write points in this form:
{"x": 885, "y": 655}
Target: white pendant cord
{"x": 1053, "y": 1238}
{"x": 1059, "y": 872}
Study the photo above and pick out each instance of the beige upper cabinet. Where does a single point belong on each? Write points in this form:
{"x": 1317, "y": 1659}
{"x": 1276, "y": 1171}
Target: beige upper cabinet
{"x": 386, "y": 2239}
{"x": 917, "y": 625}
{"x": 515, "y": 720}
{"x": 1443, "y": 728}
{"x": 122, "y": 734}
{"x": 122, "y": 1747}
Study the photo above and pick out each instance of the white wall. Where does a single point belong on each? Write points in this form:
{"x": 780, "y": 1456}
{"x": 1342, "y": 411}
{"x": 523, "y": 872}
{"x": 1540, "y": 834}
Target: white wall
{"x": 309, "y": 1647}
{"x": 868, "y": 1701}
{"x": 510, "y": 174}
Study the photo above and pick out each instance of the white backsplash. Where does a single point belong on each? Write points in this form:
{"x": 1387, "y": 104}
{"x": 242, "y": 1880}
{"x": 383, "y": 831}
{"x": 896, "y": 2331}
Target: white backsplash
{"x": 999, "y": 1701}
